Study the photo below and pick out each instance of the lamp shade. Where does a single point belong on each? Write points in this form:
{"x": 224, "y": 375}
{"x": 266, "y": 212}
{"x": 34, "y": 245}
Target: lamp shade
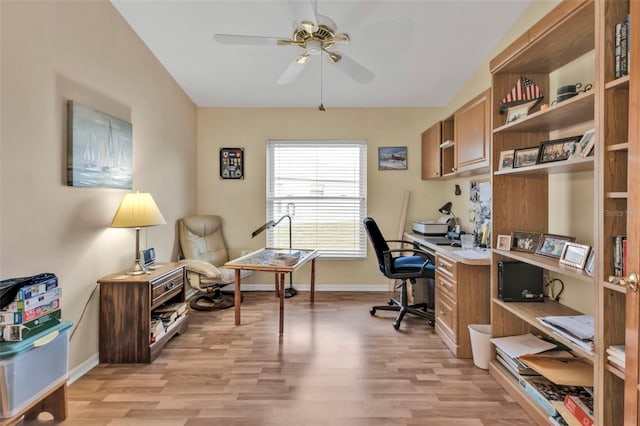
{"x": 137, "y": 210}
{"x": 446, "y": 209}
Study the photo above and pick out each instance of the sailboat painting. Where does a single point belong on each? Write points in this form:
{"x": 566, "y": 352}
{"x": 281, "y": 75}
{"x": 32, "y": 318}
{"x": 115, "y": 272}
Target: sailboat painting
{"x": 100, "y": 147}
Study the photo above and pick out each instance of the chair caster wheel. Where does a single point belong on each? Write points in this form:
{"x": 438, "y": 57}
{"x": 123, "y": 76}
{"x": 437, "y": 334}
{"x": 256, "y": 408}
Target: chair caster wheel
{"x": 372, "y": 311}
{"x": 432, "y": 323}
{"x": 396, "y": 325}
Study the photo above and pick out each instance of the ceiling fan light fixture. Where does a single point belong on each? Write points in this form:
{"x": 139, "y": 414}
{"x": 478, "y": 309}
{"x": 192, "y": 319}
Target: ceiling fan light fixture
{"x": 302, "y": 59}
{"x": 314, "y": 47}
{"x": 334, "y": 57}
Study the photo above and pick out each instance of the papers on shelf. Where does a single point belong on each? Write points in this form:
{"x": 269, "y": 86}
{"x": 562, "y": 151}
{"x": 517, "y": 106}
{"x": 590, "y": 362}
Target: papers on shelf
{"x": 561, "y": 371}
{"x": 578, "y": 329}
{"x": 515, "y": 346}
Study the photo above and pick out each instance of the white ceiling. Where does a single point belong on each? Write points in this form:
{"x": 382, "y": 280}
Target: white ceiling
{"x": 444, "y": 43}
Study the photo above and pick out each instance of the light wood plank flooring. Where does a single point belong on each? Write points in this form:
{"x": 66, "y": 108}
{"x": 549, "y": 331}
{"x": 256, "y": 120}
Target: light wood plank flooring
{"x": 335, "y": 365}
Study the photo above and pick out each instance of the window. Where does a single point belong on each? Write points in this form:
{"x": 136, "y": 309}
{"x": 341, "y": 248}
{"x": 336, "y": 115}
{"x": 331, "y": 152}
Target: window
{"x": 322, "y": 184}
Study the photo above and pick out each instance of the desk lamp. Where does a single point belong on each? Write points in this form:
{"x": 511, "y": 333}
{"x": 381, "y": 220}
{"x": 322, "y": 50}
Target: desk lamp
{"x": 288, "y": 292}
{"x": 137, "y": 210}
{"x": 446, "y": 210}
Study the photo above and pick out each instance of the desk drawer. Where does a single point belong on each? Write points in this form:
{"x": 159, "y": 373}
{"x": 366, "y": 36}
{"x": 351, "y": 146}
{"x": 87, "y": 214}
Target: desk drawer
{"x": 447, "y": 285}
{"x": 165, "y": 287}
{"x": 447, "y": 266}
{"x": 446, "y": 314}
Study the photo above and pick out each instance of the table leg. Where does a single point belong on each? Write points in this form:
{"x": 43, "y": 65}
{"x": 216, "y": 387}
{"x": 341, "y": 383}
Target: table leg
{"x": 277, "y": 274}
{"x": 313, "y": 281}
{"x": 236, "y": 296}
{"x": 281, "y": 302}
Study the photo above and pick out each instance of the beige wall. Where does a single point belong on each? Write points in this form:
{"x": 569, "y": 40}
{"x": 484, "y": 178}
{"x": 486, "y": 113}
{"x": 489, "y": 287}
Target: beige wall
{"x": 242, "y": 203}
{"x": 52, "y": 52}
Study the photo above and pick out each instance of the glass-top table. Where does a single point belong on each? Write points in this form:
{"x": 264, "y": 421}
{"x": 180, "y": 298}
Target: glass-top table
{"x": 279, "y": 261}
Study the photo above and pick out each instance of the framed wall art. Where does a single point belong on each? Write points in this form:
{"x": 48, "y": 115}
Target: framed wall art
{"x": 503, "y": 242}
{"x": 99, "y": 149}
{"x": 392, "y": 158}
{"x": 506, "y": 160}
{"x": 231, "y": 163}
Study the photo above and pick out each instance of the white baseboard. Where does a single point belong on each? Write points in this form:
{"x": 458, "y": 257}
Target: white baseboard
{"x": 83, "y": 368}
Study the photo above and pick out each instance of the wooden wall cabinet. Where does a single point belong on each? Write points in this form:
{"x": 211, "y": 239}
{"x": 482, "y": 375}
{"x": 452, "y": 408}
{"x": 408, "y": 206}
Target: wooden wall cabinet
{"x": 473, "y": 134}
{"x": 126, "y": 303}
{"x": 437, "y": 150}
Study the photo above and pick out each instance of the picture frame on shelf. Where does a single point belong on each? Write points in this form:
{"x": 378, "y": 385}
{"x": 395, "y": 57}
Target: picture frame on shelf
{"x": 575, "y": 255}
{"x": 558, "y": 149}
{"x": 586, "y": 143}
{"x": 506, "y": 160}
{"x": 525, "y": 241}
{"x": 588, "y": 267}
{"x": 523, "y": 157}
{"x": 503, "y": 242}
{"x": 516, "y": 113}
{"x": 552, "y": 245}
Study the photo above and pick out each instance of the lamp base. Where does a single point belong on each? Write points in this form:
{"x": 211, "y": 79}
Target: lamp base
{"x": 137, "y": 269}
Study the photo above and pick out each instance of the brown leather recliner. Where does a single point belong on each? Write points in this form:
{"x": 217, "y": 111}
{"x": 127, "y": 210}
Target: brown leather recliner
{"x": 204, "y": 254}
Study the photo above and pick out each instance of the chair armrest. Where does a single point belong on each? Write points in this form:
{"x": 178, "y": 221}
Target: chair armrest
{"x": 415, "y": 251}
{"x": 201, "y": 267}
{"x": 413, "y": 243}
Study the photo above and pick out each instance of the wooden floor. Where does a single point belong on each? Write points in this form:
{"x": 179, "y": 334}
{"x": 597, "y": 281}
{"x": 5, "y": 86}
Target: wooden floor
{"x": 335, "y": 365}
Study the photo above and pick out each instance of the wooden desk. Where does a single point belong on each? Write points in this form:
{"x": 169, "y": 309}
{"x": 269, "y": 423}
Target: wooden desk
{"x": 261, "y": 260}
{"x": 462, "y": 292}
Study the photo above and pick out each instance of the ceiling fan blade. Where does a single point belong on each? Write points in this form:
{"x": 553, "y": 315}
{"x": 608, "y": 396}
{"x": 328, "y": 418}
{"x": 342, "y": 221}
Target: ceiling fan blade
{"x": 306, "y": 11}
{"x": 353, "y": 69}
{"x": 248, "y": 40}
{"x": 293, "y": 70}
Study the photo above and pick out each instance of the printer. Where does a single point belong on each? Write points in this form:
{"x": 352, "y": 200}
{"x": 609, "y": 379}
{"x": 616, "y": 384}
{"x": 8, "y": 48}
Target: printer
{"x": 430, "y": 227}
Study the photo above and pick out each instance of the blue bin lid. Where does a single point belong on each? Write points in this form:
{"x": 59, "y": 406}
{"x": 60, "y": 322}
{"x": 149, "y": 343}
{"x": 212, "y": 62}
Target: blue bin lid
{"x": 10, "y": 349}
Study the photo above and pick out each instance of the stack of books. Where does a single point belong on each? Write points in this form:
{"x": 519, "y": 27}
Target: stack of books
{"x": 578, "y": 329}
{"x": 550, "y": 396}
{"x": 35, "y": 309}
{"x": 622, "y": 48}
{"x": 580, "y": 409}
{"x": 163, "y": 317}
{"x": 615, "y": 356}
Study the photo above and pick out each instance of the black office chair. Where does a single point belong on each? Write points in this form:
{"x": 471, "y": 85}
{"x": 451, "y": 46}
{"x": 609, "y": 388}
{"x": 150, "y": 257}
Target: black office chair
{"x": 402, "y": 268}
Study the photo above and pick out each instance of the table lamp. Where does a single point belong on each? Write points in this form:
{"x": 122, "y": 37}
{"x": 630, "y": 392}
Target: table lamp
{"x": 446, "y": 210}
{"x": 137, "y": 210}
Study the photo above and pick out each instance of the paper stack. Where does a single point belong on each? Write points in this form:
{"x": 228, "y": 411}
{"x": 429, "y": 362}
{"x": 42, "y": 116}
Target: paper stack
{"x": 578, "y": 329}
{"x": 615, "y": 355}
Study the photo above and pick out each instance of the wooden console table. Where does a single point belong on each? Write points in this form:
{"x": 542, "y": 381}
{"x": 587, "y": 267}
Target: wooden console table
{"x": 261, "y": 260}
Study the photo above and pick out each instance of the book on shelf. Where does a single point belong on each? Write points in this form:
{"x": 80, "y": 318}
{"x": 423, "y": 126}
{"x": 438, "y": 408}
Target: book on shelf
{"x": 544, "y": 392}
{"x": 179, "y": 308}
{"x": 618, "y": 255}
{"x": 157, "y": 329}
{"x": 616, "y": 356}
{"x": 621, "y": 48}
{"x": 580, "y": 408}
{"x": 564, "y": 417}
{"x": 167, "y": 318}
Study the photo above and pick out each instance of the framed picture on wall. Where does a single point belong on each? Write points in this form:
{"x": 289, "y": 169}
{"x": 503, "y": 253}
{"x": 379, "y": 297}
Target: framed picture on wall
{"x": 392, "y": 158}
{"x": 231, "y": 163}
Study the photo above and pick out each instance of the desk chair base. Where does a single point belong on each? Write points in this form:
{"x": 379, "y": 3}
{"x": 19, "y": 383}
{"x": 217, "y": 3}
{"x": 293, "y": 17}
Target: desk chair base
{"x": 402, "y": 306}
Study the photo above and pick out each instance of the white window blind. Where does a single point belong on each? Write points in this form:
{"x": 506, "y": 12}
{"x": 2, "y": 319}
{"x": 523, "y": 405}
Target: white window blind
{"x": 322, "y": 184}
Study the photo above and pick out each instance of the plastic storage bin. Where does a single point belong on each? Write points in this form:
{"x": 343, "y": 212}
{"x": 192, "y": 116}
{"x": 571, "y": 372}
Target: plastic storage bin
{"x": 31, "y": 368}
{"x": 480, "y": 335}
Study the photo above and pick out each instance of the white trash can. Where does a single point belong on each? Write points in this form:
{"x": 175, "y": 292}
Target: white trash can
{"x": 480, "y": 344}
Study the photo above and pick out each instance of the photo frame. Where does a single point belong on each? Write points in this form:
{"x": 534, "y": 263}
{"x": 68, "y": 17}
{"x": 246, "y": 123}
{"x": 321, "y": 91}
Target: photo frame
{"x": 558, "y": 149}
{"x": 525, "y": 241}
{"x": 503, "y": 242}
{"x": 586, "y": 143}
{"x": 588, "y": 267}
{"x": 517, "y": 112}
{"x": 392, "y": 158}
{"x": 231, "y": 163}
{"x": 575, "y": 255}
{"x": 523, "y": 157}
{"x": 552, "y": 245}
{"x": 506, "y": 160}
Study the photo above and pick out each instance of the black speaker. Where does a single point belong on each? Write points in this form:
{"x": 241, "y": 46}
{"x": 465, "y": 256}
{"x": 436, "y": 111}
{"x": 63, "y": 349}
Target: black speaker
{"x": 520, "y": 282}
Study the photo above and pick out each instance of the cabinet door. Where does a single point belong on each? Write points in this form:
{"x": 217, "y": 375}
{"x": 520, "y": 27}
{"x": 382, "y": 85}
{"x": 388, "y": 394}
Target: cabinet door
{"x": 431, "y": 152}
{"x": 632, "y": 326}
{"x": 472, "y": 133}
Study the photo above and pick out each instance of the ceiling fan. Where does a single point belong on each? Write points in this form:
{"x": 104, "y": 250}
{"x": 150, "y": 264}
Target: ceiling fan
{"x": 315, "y": 34}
